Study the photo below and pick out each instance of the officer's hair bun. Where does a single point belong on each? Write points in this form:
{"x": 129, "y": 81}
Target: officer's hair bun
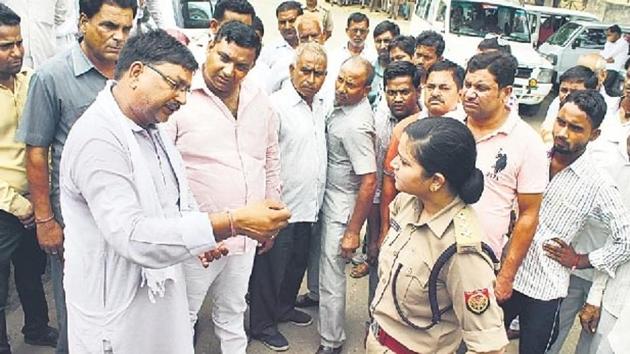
{"x": 470, "y": 191}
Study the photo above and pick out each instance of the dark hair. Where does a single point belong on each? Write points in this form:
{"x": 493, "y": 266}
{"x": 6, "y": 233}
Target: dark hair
{"x": 258, "y": 25}
{"x": 357, "y": 17}
{"x": 431, "y": 39}
{"x": 154, "y": 47}
{"x": 446, "y": 65}
{"x": 406, "y": 43}
{"x": 502, "y": 65}
{"x": 493, "y": 44}
{"x": 386, "y": 26}
{"x": 241, "y": 34}
{"x": 91, "y": 7}
{"x": 8, "y": 17}
{"x": 445, "y": 145}
{"x": 242, "y": 7}
{"x": 614, "y": 29}
{"x": 590, "y": 102}
{"x": 402, "y": 68}
{"x": 289, "y": 5}
{"x": 580, "y": 74}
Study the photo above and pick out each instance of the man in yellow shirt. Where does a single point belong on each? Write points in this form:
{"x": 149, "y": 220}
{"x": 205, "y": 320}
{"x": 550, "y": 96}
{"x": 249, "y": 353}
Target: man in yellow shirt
{"x": 18, "y": 243}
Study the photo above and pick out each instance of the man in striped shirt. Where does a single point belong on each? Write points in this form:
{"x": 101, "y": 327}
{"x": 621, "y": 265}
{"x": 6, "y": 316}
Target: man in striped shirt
{"x": 577, "y": 191}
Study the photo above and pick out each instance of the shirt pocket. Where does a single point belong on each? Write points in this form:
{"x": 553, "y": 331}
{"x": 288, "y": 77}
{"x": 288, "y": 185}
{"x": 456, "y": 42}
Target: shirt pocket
{"x": 413, "y": 290}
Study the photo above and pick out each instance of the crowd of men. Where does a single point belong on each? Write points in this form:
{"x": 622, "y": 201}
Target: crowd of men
{"x": 147, "y": 179}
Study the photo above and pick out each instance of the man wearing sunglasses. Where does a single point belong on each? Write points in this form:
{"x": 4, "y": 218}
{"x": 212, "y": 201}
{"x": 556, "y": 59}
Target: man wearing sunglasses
{"x": 227, "y": 134}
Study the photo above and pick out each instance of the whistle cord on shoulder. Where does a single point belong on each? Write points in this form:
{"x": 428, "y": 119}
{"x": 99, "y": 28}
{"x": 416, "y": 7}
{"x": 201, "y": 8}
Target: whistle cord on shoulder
{"x": 436, "y": 312}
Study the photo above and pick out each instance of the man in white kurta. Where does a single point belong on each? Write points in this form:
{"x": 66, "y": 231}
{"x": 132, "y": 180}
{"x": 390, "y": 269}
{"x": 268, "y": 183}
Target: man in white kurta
{"x": 129, "y": 218}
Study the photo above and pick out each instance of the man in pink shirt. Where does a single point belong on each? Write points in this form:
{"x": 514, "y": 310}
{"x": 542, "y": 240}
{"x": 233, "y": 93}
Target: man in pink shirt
{"x": 227, "y": 136}
{"x": 512, "y": 157}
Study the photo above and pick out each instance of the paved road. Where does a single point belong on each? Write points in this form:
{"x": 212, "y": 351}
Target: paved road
{"x": 302, "y": 340}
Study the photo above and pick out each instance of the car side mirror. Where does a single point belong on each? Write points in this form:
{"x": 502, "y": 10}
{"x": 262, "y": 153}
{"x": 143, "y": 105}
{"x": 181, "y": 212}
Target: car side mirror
{"x": 576, "y": 43}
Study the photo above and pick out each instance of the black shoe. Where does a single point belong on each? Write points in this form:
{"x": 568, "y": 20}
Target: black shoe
{"x": 303, "y": 301}
{"x": 48, "y": 338}
{"x": 298, "y": 318}
{"x": 328, "y": 350}
{"x": 275, "y": 342}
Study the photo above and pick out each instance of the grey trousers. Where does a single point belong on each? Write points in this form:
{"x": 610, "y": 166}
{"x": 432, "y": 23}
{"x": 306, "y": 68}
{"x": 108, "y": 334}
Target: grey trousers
{"x": 600, "y": 344}
{"x": 332, "y": 284}
{"x": 571, "y": 306}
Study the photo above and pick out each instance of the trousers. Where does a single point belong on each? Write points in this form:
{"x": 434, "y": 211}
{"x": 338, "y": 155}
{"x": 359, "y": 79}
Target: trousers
{"x": 19, "y": 246}
{"x": 226, "y": 281}
{"x": 571, "y": 306}
{"x": 600, "y": 343}
{"x": 538, "y": 320}
{"x": 276, "y": 278}
{"x": 332, "y": 284}
{"x": 314, "y": 253}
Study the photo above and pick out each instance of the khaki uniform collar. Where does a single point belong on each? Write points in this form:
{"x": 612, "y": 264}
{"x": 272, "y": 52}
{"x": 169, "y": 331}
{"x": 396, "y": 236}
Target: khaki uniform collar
{"x": 439, "y": 222}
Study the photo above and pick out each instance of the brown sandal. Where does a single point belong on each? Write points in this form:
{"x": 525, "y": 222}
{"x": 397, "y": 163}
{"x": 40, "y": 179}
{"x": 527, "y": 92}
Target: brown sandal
{"x": 360, "y": 270}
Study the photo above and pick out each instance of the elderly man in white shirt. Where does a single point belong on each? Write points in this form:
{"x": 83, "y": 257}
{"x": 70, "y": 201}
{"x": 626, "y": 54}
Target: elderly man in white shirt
{"x": 39, "y": 21}
{"x": 130, "y": 219}
{"x": 278, "y": 274}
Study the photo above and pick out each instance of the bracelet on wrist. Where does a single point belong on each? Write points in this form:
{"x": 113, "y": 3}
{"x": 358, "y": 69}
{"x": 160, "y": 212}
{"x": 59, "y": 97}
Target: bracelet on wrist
{"x": 45, "y": 220}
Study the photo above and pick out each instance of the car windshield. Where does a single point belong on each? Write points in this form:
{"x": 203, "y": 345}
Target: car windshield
{"x": 564, "y": 34}
{"x": 479, "y": 19}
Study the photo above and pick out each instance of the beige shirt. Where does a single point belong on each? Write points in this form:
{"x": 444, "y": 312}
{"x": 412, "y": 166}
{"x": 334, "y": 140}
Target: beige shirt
{"x": 324, "y": 16}
{"x": 466, "y": 281}
{"x": 13, "y": 183}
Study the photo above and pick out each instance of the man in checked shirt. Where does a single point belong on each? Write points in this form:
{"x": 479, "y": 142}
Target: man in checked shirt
{"x": 577, "y": 191}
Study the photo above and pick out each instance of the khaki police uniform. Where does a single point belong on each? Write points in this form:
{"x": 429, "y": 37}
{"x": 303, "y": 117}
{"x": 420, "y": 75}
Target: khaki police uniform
{"x": 466, "y": 281}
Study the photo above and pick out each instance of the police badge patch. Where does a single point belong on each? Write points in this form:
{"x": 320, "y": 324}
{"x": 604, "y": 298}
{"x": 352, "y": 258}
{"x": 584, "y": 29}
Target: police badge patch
{"x": 477, "y": 301}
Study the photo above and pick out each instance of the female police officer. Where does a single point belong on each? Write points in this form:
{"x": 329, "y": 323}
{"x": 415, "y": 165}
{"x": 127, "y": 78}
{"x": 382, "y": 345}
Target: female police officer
{"x": 435, "y": 275}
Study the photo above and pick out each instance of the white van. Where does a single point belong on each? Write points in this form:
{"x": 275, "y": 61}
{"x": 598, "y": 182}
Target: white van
{"x": 572, "y": 40}
{"x": 544, "y": 21}
{"x": 464, "y": 23}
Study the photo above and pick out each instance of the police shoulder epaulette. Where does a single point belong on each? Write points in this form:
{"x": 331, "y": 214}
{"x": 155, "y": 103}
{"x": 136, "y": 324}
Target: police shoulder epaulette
{"x": 467, "y": 231}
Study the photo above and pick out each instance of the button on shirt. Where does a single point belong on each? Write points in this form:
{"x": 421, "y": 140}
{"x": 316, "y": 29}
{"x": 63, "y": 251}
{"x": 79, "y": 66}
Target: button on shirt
{"x": 579, "y": 191}
{"x": 60, "y": 91}
{"x": 416, "y": 246}
{"x": 350, "y": 142}
{"x": 513, "y": 161}
{"x": 618, "y": 51}
{"x": 13, "y": 183}
{"x": 302, "y": 141}
{"x": 229, "y": 162}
